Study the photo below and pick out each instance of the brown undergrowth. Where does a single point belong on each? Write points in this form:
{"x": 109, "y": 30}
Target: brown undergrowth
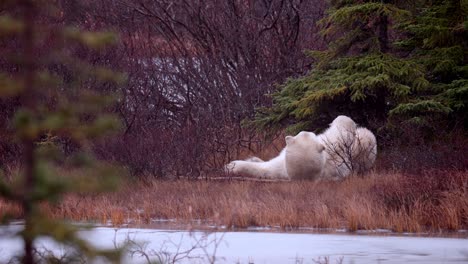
{"x": 433, "y": 201}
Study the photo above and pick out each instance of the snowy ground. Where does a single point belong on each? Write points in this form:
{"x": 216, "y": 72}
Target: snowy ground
{"x": 261, "y": 247}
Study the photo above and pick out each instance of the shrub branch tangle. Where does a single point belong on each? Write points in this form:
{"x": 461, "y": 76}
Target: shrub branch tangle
{"x": 49, "y": 107}
{"x": 197, "y": 69}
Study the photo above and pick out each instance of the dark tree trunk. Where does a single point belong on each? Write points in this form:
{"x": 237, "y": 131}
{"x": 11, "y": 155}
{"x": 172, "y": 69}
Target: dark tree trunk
{"x": 383, "y": 31}
{"x": 27, "y": 101}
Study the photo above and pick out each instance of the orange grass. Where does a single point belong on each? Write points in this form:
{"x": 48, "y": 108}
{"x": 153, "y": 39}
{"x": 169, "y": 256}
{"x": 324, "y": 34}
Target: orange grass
{"x": 433, "y": 201}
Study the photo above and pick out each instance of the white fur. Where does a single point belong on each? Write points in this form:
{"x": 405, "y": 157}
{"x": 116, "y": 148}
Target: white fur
{"x": 302, "y": 158}
{"x": 340, "y": 150}
{"x": 338, "y": 140}
{"x": 305, "y": 156}
{"x": 341, "y": 131}
{"x": 255, "y": 159}
{"x": 272, "y": 169}
{"x": 364, "y": 150}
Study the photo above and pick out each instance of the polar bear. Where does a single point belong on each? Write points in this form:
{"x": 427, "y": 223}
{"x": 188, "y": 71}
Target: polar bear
{"x": 364, "y": 150}
{"x": 341, "y": 131}
{"x": 338, "y": 140}
{"x": 255, "y": 167}
{"x": 302, "y": 158}
{"x": 305, "y": 156}
{"x": 349, "y": 149}
{"x": 338, "y": 152}
{"x": 255, "y": 159}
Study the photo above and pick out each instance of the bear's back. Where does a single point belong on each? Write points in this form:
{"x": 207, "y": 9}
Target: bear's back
{"x": 364, "y": 149}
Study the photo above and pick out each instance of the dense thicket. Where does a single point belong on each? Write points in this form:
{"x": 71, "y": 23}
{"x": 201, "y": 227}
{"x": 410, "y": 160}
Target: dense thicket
{"x": 195, "y": 69}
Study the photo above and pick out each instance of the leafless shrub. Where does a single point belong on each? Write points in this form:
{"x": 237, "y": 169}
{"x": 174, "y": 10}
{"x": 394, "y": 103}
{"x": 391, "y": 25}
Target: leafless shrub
{"x": 45, "y": 255}
{"x": 326, "y": 260}
{"x": 350, "y": 151}
{"x": 194, "y": 75}
{"x": 340, "y": 155}
{"x": 171, "y": 252}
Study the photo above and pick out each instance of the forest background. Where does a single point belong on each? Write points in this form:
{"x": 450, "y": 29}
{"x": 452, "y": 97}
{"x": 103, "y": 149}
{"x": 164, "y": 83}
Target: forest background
{"x": 211, "y": 81}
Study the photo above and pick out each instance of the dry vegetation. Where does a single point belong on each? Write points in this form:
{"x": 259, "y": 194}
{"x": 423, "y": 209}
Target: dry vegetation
{"x": 433, "y": 201}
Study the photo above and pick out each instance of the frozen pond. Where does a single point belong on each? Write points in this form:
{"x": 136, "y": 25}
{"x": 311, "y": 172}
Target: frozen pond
{"x": 262, "y": 247}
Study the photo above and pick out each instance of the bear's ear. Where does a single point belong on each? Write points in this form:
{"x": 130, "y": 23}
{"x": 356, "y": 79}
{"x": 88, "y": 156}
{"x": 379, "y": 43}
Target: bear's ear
{"x": 289, "y": 140}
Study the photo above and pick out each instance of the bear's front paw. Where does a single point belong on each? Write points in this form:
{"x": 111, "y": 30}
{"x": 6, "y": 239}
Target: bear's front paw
{"x": 229, "y": 168}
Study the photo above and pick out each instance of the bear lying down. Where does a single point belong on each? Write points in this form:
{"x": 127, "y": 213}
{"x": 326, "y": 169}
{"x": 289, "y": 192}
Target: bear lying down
{"x": 334, "y": 154}
{"x": 302, "y": 158}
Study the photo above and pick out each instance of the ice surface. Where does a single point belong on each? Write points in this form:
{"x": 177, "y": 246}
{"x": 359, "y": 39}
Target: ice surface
{"x": 260, "y": 247}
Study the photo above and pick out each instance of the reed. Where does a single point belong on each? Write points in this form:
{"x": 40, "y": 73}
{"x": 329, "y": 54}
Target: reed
{"x": 431, "y": 202}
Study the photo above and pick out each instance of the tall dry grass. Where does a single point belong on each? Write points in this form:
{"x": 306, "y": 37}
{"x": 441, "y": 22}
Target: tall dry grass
{"x": 433, "y": 201}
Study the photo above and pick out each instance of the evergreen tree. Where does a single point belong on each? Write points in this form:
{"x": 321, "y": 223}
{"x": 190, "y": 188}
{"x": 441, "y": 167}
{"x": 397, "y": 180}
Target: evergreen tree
{"x": 50, "y": 90}
{"x": 438, "y": 40}
{"x": 363, "y": 75}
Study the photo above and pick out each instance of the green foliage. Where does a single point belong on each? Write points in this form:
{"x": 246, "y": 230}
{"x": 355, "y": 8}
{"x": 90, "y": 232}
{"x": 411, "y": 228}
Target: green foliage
{"x": 421, "y": 107}
{"x": 456, "y": 95}
{"x": 354, "y": 25}
{"x": 358, "y": 79}
{"x": 53, "y": 108}
{"x": 362, "y": 75}
{"x": 438, "y": 40}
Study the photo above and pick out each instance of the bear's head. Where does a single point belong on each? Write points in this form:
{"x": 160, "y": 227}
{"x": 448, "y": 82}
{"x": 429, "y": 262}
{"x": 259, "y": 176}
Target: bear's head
{"x": 305, "y": 156}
